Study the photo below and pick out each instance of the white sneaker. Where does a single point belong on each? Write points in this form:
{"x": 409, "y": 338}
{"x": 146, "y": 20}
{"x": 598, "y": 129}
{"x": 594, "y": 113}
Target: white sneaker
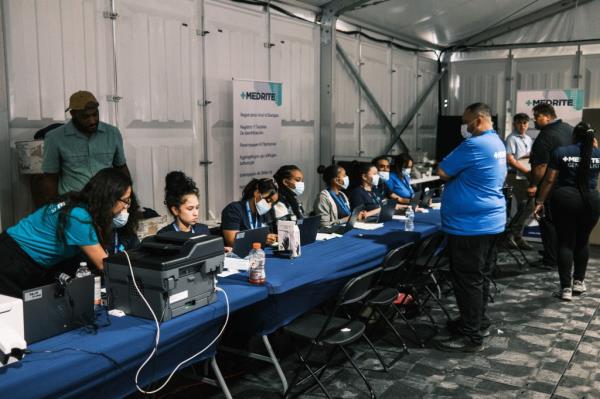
{"x": 566, "y": 294}
{"x": 578, "y": 287}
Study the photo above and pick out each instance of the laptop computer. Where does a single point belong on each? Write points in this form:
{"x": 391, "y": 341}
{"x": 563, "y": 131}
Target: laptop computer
{"x": 52, "y": 309}
{"x": 427, "y": 196}
{"x": 309, "y": 227}
{"x": 343, "y": 228}
{"x": 386, "y": 213}
{"x": 244, "y": 240}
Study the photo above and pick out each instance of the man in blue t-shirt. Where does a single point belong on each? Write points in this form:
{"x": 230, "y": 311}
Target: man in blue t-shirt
{"x": 473, "y": 214}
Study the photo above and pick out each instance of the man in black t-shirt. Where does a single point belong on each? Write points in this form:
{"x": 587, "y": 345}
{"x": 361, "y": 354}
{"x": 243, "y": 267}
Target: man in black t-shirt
{"x": 554, "y": 133}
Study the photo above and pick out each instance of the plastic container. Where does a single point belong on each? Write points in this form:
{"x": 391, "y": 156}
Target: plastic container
{"x": 83, "y": 270}
{"x": 257, "y": 265}
{"x": 409, "y": 225}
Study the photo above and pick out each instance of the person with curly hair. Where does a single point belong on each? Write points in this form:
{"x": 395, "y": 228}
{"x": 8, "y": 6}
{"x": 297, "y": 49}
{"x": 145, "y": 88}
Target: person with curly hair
{"x": 182, "y": 200}
{"x": 78, "y": 222}
{"x": 290, "y": 181}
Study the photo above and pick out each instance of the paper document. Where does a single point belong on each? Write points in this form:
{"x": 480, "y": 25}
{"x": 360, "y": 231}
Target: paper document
{"x": 239, "y": 265}
{"x": 326, "y": 236}
{"x": 367, "y": 226}
{"x": 399, "y": 217}
{"x": 436, "y": 205}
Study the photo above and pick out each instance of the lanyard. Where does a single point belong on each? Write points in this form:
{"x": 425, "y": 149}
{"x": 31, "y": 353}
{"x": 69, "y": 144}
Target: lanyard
{"x": 407, "y": 184}
{"x": 374, "y": 196}
{"x": 116, "y": 246}
{"x": 341, "y": 203}
{"x": 176, "y": 228}
{"x": 253, "y": 223}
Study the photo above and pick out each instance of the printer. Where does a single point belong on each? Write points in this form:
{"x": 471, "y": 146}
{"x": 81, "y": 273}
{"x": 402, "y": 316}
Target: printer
{"x": 12, "y": 331}
{"x": 175, "y": 271}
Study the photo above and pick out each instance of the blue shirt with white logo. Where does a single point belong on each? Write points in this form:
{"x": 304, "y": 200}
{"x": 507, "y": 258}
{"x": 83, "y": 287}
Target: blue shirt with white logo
{"x": 473, "y": 203}
{"x": 36, "y": 234}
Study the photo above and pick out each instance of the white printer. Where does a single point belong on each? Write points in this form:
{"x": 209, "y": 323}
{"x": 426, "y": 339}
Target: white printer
{"x": 12, "y": 331}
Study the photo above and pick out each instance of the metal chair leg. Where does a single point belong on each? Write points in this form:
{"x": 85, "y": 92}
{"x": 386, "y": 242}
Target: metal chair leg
{"x": 359, "y": 371}
{"x": 275, "y": 362}
{"x": 396, "y": 332}
{"x": 385, "y": 367}
{"x": 220, "y": 379}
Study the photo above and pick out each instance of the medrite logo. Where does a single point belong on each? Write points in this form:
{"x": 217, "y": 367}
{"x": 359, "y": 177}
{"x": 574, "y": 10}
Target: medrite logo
{"x": 253, "y": 95}
{"x": 565, "y": 102}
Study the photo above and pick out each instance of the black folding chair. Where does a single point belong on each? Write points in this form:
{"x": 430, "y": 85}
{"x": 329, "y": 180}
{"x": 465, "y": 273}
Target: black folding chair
{"x": 334, "y": 330}
{"x": 385, "y": 291}
{"x": 510, "y": 223}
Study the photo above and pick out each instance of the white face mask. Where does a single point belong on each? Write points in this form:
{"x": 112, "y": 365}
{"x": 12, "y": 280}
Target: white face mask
{"x": 464, "y": 131}
{"x": 346, "y": 182}
{"x": 406, "y": 171}
{"x": 375, "y": 180}
{"x": 385, "y": 176}
{"x": 299, "y": 188}
{"x": 262, "y": 206}
{"x": 120, "y": 219}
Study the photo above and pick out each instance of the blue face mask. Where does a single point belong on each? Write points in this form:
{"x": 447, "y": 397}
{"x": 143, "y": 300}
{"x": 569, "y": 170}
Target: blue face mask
{"x": 120, "y": 219}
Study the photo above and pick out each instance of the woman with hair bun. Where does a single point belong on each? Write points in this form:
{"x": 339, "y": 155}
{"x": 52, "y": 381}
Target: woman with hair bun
{"x": 182, "y": 200}
{"x": 574, "y": 205}
{"x": 290, "y": 181}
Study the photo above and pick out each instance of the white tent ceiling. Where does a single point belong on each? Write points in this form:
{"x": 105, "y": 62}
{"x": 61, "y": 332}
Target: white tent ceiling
{"x": 445, "y": 23}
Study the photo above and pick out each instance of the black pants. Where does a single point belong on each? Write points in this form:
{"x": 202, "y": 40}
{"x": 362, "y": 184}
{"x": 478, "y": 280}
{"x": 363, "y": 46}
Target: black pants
{"x": 18, "y": 271}
{"x": 471, "y": 259}
{"x": 548, "y": 232}
{"x": 574, "y": 223}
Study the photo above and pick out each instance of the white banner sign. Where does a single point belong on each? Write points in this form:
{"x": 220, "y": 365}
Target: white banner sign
{"x": 256, "y": 131}
{"x": 567, "y": 103}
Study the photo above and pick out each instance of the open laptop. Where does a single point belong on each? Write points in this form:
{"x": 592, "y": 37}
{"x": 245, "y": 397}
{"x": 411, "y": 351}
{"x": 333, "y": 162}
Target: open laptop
{"x": 343, "y": 228}
{"x": 244, "y": 240}
{"x": 52, "y": 309}
{"x": 386, "y": 213}
{"x": 309, "y": 227}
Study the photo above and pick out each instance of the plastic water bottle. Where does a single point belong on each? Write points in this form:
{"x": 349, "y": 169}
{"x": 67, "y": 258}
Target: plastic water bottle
{"x": 82, "y": 270}
{"x": 409, "y": 225}
{"x": 257, "y": 264}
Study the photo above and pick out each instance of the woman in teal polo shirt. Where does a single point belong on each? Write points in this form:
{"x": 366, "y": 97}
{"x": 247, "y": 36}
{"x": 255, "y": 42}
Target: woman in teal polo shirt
{"x": 78, "y": 222}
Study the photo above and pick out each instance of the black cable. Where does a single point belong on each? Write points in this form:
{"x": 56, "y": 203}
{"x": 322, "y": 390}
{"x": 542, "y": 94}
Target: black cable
{"x": 354, "y": 32}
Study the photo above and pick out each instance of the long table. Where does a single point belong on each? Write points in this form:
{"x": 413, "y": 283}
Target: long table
{"x": 80, "y": 364}
{"x": 103, "y": 365}
{"x": 298, "y": 285}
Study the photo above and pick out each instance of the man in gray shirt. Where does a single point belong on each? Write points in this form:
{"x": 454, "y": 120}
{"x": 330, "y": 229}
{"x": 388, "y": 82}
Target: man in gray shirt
{"x": 518, "y": 149}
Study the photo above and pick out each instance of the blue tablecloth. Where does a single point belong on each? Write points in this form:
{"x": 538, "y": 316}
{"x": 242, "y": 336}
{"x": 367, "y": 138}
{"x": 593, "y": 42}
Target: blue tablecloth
{"x": 298, "y": 285}
{"x": 127, "y": 341}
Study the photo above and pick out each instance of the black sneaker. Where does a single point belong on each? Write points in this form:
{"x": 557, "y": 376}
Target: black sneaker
{"x": 455, "y": 327}
{"x": 458, "y": 344}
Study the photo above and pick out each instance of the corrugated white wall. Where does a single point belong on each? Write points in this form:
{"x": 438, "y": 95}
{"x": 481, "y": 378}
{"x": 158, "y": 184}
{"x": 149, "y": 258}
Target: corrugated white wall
{"x": 397, "y": 79}
{"x": 485, "y": 80}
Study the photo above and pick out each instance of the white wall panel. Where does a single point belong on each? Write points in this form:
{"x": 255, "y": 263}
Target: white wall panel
{"x": 545, "y": 73}
{"x": 376, "y": 72}
{"x": 404, "y": 92}
{"x": 294, "y": 62}
{"x": 591, "y": 78}
{"x": 427, "y": 115}
{"x": 347, "y": 101}
{"x": 156, "y": 113}
{"x": 234, "y": 49}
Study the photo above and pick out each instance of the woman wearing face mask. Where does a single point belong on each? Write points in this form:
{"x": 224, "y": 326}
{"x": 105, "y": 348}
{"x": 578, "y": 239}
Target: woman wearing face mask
{"x": 364, "y": 193}
{"x": 399, "y": 181}
{"x": 78, "y": 222}
{"x": 332, "y": 205}
{"x": 250, "y": 213}
{"x": 181, "y": 198}
{"x": 290, "y": 180}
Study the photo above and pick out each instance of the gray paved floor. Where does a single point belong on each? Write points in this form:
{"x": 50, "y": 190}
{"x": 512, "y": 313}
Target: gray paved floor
{"x": 540, "y": 347}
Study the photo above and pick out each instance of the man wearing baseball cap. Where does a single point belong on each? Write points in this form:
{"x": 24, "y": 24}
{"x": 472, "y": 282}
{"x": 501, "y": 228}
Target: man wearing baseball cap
{"x": 76, "y": 151}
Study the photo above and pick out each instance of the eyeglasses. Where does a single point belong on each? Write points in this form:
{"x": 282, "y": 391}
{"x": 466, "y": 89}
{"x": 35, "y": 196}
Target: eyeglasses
{"x": 126, "y": 202}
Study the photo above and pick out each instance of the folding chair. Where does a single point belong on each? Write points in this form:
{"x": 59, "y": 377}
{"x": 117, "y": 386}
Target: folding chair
{"x": 510, "y": 222}
{"x": 385, "y": 291}
{"x": 333, "y": 331}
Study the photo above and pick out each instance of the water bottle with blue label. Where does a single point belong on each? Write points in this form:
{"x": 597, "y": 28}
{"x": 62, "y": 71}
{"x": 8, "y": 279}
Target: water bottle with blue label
{"x": 409, "y": 225}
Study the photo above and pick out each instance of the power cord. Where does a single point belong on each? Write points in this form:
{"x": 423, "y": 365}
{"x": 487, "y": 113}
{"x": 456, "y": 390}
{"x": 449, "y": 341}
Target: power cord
{"x": 157, "y": 338}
